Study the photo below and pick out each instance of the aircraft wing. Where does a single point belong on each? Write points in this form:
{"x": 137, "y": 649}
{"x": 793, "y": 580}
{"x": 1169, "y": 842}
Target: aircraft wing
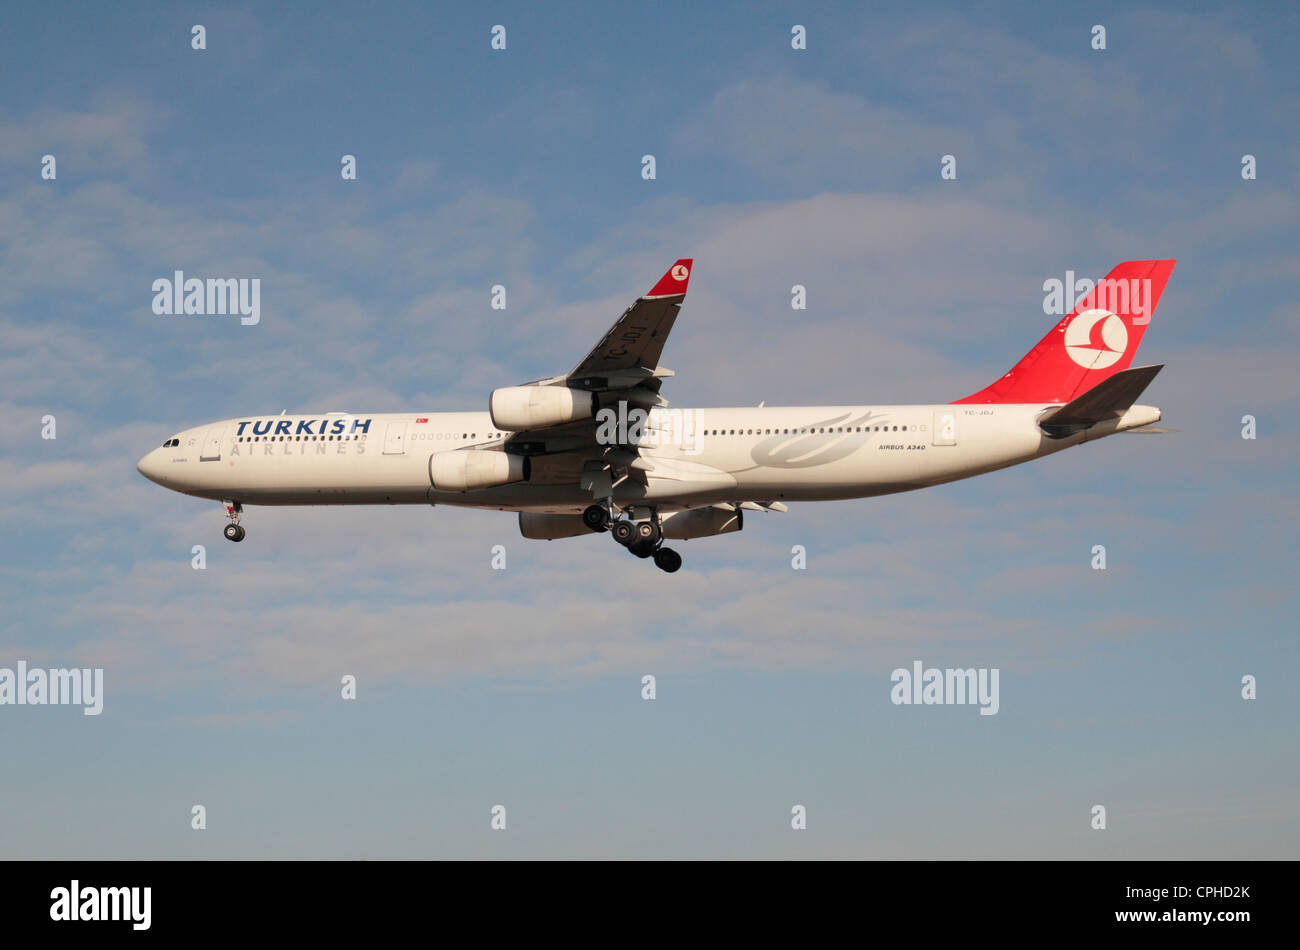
{"x": 625, "y": 363}
{"x": 634, "y": 343}
{"x": 622, "y": 368}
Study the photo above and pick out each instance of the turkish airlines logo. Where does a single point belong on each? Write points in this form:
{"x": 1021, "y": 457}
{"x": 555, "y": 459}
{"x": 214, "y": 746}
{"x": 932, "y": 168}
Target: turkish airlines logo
{"x": 1096, "y": 339}
{"x": 680, "y": 272}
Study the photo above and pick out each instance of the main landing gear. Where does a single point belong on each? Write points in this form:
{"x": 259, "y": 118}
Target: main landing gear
{"x": 643, "y": 538}
{"x": 596, "y": 517}
{"x": 234, "y": 531}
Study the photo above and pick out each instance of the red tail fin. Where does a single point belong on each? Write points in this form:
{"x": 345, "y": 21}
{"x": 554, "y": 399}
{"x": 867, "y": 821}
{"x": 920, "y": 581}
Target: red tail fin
{"x": 1095, "y": 340}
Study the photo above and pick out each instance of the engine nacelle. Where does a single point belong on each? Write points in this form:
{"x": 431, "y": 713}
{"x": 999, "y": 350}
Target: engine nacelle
{"x": 701, "y": 523}
{"x": 540, "y": 526}
{"x": 469, "y": 469}
{"x": 516, "y": 408}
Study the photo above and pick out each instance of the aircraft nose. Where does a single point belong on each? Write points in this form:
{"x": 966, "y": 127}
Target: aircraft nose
{"x": 150, "y": 467}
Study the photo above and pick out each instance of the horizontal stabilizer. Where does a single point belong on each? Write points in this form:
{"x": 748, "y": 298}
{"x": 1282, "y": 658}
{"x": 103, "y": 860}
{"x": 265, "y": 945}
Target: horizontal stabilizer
{"x": 1109, "y": 399}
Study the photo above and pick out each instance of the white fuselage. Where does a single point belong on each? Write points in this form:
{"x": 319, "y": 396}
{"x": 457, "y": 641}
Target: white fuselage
{"x": 695, "y": 457}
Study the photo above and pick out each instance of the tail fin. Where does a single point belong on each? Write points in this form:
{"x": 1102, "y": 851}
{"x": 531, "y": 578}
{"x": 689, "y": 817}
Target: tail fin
{"x": 1097, "y": 339}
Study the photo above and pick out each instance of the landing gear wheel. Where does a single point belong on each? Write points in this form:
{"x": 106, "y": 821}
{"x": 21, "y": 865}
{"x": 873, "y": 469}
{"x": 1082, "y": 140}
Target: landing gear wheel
{"x": 624, "y": 532}
{"x": 596, "y": 518}
{"x": 668, "y": 560}
{"x": 233, "y": 531}
{"x": 641, "y": 548}
{"x": 648, "y": 532}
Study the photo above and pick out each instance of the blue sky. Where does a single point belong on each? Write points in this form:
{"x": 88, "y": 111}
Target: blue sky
{"x": 522, "y": 687}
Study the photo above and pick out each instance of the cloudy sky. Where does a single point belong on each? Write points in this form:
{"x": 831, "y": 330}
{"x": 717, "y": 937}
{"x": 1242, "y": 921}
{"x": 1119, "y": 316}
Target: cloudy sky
{"x": 522, "y": 687}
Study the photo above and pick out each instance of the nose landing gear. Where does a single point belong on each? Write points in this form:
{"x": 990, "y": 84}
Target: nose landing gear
{"x": 234, "y": 531}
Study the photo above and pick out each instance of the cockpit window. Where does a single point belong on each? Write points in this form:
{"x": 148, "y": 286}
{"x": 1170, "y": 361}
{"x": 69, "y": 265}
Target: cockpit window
{"x": 170, "y": 443}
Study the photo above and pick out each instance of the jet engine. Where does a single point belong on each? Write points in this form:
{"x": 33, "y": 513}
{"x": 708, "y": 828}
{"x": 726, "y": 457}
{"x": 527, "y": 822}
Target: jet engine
{"x": 540, "y": 526}
{"x": 468, "y": 469}
{"x": 516, "y": 408}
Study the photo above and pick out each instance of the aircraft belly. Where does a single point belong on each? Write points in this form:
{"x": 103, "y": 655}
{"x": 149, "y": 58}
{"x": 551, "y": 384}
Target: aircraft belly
{"x": 299, "y": 473}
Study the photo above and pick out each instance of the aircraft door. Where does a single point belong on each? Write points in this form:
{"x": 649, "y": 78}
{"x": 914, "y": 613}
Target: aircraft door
{"x": 395, "y": 439}
{"x": 945, "y": 428}
{"x": 212, "y": 439}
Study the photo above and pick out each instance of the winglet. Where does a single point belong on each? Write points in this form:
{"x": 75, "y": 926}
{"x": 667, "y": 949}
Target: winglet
{"x": 675, "y": 280}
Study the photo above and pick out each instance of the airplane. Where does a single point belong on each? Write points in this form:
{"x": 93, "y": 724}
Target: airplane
{"x": 598, "y": 449}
